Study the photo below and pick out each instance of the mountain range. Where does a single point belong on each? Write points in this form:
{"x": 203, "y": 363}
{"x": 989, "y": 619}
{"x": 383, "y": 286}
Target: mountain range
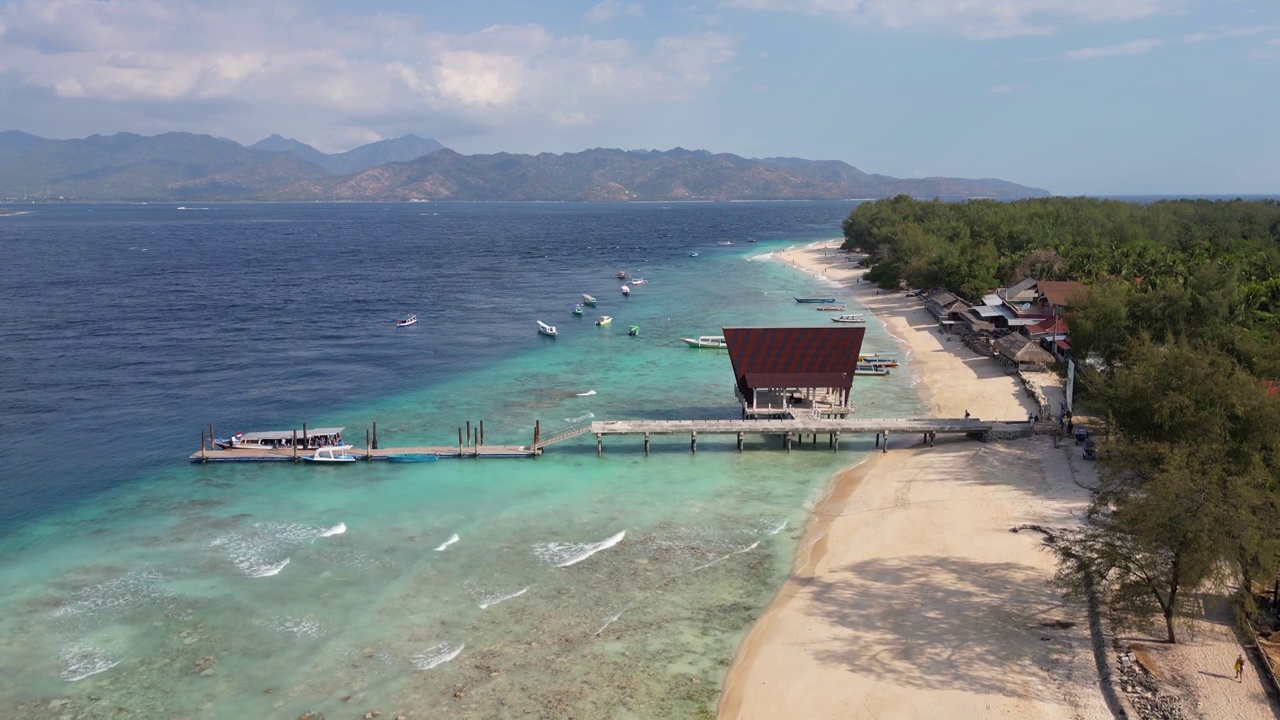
{"x": 183, "y": 167}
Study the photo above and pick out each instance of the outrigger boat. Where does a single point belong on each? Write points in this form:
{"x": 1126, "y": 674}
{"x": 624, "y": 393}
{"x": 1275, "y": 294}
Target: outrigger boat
{"x": 336, "y": 454}
{"x": 407, "y": 321}
{"x": 815, "y": 300}
{"x": 604, "y": 320}
{"x": 880, "y": 359}
{"x": 577, "y": 310}
{"x": 869, "y": 369}
{"x": 723, "y": 242}
{"x": 830, "y": 308}
{"x": 706, "y": 341}
{"x": 282, "y": 439}
{"x": 626, "y": 290}
{"x": 545, "y": 329}
{"x": 622, "y": 274}
{"x": 854, "y": 318}
{"x": 638, "y": 281}
{"x": 588, "y": 300}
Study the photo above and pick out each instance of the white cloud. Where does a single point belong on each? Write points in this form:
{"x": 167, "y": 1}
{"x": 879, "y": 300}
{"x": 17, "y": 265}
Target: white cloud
{"x": 1133, "y": 47}
{"x": 971, "y": 18}
{"x": 610, "y": 9}
{"x": 1269, "y": 51}
{"x": 359, "y": 72}
{"x": 1224, "y": 31}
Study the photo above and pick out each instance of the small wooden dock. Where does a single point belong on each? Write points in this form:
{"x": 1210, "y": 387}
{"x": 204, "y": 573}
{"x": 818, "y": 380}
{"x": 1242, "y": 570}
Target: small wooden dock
{"x": 287, "y": 455}
{"x": 792, "y": 430}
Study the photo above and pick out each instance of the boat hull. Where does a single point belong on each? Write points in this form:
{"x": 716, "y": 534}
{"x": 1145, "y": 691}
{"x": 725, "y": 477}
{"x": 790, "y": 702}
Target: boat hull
{"x": 815, "y": 300}
{"x": 412, "y": 457}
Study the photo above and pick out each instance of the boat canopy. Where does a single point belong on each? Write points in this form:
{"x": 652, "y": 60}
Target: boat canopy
{"x": 288, "y": 434}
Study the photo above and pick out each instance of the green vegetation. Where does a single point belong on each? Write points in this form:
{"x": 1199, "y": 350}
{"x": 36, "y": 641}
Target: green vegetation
{"x": 1181, "y": 332}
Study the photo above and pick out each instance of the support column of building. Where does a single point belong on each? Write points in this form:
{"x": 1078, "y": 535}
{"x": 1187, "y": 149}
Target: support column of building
{"x": 786, "y": 439}
{"x": 836, "y": 442}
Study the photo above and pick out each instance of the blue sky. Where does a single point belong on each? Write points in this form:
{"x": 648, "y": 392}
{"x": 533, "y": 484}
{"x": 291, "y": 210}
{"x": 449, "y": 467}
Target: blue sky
{"x": 1076, "y": 96}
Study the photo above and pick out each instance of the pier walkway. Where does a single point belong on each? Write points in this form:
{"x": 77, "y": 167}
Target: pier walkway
{"x": 793, "y": 429}
{"x": 243, "y": 454}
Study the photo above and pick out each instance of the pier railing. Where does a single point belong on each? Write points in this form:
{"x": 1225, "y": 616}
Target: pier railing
{"x": 564, "y": 433}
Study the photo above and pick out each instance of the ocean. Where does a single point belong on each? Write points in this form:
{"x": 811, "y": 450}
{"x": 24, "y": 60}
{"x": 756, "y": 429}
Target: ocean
{"x": 140, "y": 585}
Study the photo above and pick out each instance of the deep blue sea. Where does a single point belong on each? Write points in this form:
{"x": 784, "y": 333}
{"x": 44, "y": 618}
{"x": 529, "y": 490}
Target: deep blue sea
{"x": 569, "y": 585}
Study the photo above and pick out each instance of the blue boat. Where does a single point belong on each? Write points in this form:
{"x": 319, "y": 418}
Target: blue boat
{"x": 815, "y": 300}
{"x": 577, "y": 310}
{"x": 412, "y": 457}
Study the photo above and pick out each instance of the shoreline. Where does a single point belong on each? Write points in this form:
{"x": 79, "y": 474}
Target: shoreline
{"x": 903, "y": 545}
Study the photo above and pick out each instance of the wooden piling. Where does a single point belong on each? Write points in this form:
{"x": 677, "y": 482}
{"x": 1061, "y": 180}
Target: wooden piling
{"x": 877, "y": 440}
{"x": 739, "y": 442}
{"x": 835, "y": 443}
{"x": 787, "y": 440}
{"x": 295, "y": 445}
{"x": 885, "y": 447}
{"x": 469, "y": 440}
{"x": 693, "y": 442}
{"x": 481, "y": 432}
{"x": 203, "y": 459}
{"x": 375, "y": 434}
{"x": 599, "y": 444}
{"x": 304, "y": 433}
{"x": 537, "y": 433}
{"x": 367, "y": 455}
{"x": 646, "y": 444}
{"x": 210, "y": 437}
{"x": 459, "y": 441}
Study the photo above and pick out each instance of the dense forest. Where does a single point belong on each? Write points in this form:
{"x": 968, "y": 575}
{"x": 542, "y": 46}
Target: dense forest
{"x": 1177, "y": 346}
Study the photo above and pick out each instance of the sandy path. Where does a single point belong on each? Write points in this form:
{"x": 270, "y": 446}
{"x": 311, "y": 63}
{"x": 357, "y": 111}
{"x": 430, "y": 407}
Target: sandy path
{"x": 911, "y": 598}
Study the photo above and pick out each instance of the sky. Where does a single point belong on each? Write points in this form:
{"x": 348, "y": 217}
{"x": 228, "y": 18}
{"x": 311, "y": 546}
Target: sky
{"x": 1099, "y": 97}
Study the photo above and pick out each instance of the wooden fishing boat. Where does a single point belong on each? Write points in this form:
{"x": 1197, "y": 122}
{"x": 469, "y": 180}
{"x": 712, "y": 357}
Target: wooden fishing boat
{"x": 815, "y": 300}
{"x": 852, "y": 318}
{"x": 706, "y": 341}
{"x": 577, "y": 310}
{"x": 868, "y": 369}
{"x": 588, "y": 300}
{"x": 830, "y": 308}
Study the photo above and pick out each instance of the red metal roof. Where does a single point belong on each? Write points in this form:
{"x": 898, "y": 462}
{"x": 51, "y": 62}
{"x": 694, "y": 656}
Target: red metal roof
{"x": 811, "y": 355}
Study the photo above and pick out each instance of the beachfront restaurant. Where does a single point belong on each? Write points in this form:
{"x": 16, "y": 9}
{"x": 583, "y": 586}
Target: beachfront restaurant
{"x": 794, "y": 372}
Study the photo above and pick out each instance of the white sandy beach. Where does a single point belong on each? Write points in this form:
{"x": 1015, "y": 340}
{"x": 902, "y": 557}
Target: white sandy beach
{"x": 911, "y": 597}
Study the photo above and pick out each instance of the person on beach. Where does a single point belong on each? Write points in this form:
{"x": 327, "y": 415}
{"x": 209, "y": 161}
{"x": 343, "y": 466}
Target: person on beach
{"x": 1240, "y": 667}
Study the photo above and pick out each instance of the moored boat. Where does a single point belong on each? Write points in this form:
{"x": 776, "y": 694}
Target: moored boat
{"x": 852, "y": 318}
{"x": 881, "y": 359}
{"x": 626, "y": 290}
{"x": 622, "y": 274}
{"x": 706, "y": 341}
{"x": 335, "y": 454}
{"x": 693, "y": 254}
{"x": 577, "y": 310}
{"x": 412, "y": 457}
{"x": 282, "y": 439}
{"x": 604, "y": 320}
{"x": 723, "y": 242}
{"x": 868, "y": 369}
{"x": 407, "y": 320}
{"x": 830, "y": 308}
{"x": 815, "y": 300}
{"x": 638, "y": 281}
{"x": 545, "y": 329}
{"x": 588, "y": 300}
{"x": 633, "y": 330}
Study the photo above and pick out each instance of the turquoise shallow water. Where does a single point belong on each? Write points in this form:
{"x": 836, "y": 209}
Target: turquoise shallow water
{"x": 569, "y": 585}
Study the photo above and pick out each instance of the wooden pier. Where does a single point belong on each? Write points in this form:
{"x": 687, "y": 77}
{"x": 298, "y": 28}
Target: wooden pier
{"x": 793, "y": 430}
{"x": 287, "y": 455}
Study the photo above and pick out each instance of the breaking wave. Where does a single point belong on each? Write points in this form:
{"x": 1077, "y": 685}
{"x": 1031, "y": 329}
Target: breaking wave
{"x": 588, "y": 393}
{"x": 566, "y": 554}
{"x": 445, "y": 545}
{"x": 436, "y": 655}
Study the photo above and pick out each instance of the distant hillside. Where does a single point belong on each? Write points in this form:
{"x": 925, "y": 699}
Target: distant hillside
{"x": 400, "y": 149}
{"x": 186, "y": 167}
{"x": 173, "y": 166}
{"x": 604, "y": 174}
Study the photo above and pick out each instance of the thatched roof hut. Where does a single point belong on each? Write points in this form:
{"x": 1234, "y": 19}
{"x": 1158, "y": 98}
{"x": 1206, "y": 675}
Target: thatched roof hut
{"x": 1022, "y": 351}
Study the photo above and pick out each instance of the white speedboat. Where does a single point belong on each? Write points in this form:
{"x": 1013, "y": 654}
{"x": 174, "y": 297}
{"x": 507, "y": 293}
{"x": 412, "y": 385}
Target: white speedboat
{"x": 626, "y": 290}
{"x": 331, "y": 454}
{"x": 545, "y": 329}
{"x": 638, "y": 281}
{"x": 706, "y": 341}
{"x": 856, "y": 318}
{"x": 604, "y": 320}
{"x": 407, "y": 320}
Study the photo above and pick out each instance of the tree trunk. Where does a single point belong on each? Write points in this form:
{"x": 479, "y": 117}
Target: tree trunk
{"x": 1168, "y": 625}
